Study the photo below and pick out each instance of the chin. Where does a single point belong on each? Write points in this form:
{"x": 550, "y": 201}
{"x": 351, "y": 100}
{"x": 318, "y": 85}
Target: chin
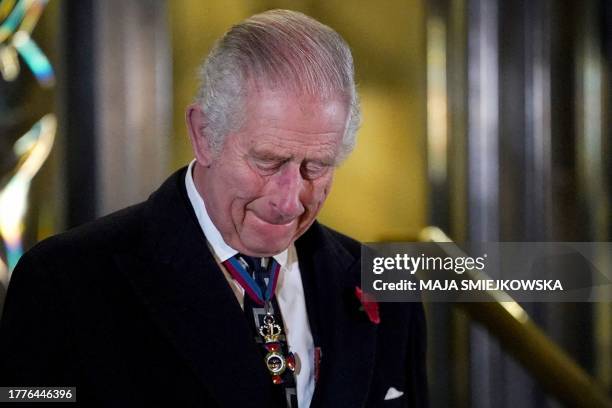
{"x": 265, "y": 246}
{"x": 268, "y": 239}
{"x": 268, "y": 250}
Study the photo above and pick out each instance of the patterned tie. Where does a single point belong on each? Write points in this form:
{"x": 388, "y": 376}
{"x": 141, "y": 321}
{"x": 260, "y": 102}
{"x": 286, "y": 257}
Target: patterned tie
{"x": 280, "y": 363}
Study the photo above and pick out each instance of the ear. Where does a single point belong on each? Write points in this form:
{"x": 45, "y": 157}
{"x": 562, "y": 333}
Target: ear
{"x": 196, "y": 123}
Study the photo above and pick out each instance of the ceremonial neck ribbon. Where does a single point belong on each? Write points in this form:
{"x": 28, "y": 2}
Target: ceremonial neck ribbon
{"x": 237, "y": 267}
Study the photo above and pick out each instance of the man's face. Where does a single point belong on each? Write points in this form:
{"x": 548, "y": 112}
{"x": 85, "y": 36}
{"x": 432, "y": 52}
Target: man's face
{"x": 268, "y": 183}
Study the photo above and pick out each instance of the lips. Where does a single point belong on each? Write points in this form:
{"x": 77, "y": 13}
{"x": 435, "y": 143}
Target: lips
{"x": 278, "y": 221}
{"x": 272, "y": 217}
{"x": 264, "y": 236}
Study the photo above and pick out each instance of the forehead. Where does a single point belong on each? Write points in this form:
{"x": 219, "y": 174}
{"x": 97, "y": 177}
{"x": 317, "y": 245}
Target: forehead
{"x": 280, "y": 120}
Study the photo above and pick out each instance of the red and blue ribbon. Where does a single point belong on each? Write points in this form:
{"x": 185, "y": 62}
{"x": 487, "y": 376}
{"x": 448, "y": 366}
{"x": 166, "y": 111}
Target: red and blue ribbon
{"x": 251, "y": 288}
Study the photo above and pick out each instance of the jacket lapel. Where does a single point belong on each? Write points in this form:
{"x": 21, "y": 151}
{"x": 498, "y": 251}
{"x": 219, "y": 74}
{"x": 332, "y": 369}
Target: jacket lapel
{"x": 346, "y": 337}
{"x": 178, "y": 279}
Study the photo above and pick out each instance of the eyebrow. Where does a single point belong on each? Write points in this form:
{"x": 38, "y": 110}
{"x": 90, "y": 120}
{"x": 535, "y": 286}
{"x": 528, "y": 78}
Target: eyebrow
{"x": 268, "y": 155}
{"x": 327, "y": 161}
{"x": 273, "y": 156}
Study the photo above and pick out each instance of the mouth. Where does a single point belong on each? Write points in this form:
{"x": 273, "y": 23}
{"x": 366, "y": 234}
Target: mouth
{"x": 278, "y": 222}
{"x": 282, "y": 222}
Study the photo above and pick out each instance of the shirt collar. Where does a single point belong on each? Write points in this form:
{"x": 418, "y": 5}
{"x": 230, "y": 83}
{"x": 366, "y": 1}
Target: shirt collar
{"x": 222, "y": 251}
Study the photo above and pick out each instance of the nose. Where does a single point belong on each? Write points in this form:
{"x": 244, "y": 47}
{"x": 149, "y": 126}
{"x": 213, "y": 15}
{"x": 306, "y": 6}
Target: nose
{"x": 289, "y": 186}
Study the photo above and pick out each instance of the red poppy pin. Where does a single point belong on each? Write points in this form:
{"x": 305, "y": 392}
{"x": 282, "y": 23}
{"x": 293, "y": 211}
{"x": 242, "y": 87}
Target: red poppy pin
{"x": 368, "y": 305}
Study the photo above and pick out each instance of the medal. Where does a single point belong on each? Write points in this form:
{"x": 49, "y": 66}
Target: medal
{"x": 276, "y": 362}
{"x": 271, "y": 332}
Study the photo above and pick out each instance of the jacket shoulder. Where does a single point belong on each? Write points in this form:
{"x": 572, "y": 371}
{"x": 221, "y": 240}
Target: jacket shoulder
{"x": 352, "y": 246}
{"x": 116, "y": 232}
{"x": 324, "y": 243}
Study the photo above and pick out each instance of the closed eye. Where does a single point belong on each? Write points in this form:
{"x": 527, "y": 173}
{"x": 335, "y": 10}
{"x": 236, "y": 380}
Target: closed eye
{"x": 268, "y": 166}
{"x": 313, "y": 170}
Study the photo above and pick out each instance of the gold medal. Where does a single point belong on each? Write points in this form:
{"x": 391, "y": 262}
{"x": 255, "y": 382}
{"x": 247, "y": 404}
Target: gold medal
{"x": 275, "y": 361}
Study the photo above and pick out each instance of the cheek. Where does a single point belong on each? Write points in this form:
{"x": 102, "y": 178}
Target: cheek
{"x": 241, "y": 180}
{"x": 319, "y": 193}
{"x": 245, "y": 187}
{"x": 327, "y": 186}
{"x": 326, "y": 189}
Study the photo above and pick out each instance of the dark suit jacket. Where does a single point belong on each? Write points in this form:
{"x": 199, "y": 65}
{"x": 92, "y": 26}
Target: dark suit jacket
{"x": 133, "y": 310}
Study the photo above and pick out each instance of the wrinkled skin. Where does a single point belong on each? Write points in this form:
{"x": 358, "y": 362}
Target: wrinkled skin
{"x": 268, "y": 183}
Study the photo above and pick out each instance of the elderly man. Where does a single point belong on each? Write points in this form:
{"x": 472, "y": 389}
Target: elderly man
{"x": 221, "y": 290}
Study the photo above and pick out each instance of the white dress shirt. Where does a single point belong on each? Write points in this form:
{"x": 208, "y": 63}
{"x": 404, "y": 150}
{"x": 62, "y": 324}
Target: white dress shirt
{"x": 289, "y": 293}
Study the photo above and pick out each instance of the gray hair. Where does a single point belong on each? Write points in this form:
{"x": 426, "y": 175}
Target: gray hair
{"x": 279, "y": 49}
